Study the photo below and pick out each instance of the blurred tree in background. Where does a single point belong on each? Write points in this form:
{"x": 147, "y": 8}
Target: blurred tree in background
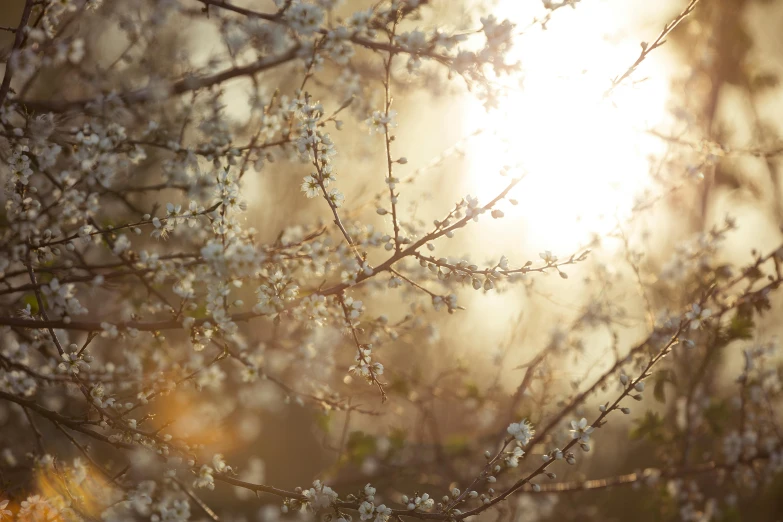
{"x": 264, "y": 260}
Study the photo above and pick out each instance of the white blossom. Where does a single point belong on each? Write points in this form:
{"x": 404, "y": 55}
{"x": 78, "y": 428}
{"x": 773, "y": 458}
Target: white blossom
{"x": 580, "y": 430}
{"x": 522, "y": 431}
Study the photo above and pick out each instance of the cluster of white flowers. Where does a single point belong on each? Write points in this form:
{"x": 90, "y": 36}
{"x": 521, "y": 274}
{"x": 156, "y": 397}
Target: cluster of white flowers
{"x": 275, "y": 293}
{"x": 369, "y": 511}
{"x": 695, "y": 255}
{"x": 380, "y": 122}
{"x": 697, "y": 316}
{"x": 512, "y": 459}
{"x": 136, "y": 296}
{"x": 74, "y": 361}
{"x": 62, "y": 299}
{"x": 418, "y": 502}
{"x": 522, "y": 431}
{"x": 319, "y": 496}
{"x": 304, "y": 18}
{"x": 365, "y": 367}
{"x": 205, "y": 478}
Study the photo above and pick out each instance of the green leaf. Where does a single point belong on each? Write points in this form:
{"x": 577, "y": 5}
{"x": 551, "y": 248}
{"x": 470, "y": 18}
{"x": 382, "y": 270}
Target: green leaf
{"x": 200, "y": 312}
{"x": 717, "y": 414}
{"x": 29, "y": 299}
{"x": 397, "y": 438}
{"x": 754, "y": 273}
{"x": 650, "y": 427}
{"x": 741, "y": 326}
{"x": 324, "y": 422}
{"x": 360, "y": 446}
{"x": 472, "y": 391}
{"x": 400, "y": 386}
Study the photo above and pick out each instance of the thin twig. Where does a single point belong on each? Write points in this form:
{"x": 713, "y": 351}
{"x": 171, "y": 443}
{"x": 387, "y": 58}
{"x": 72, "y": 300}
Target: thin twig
{"x": 18, "y": 39}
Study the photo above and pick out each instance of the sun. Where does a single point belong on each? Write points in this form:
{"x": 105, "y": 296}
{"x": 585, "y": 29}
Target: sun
{"x": 586, "y": 156}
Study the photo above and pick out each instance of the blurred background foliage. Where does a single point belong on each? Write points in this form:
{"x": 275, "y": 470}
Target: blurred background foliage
{"x": 451, "y": 390}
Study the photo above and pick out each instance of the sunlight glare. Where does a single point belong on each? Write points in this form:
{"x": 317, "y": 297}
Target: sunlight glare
{"x": 585, "y": 158}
